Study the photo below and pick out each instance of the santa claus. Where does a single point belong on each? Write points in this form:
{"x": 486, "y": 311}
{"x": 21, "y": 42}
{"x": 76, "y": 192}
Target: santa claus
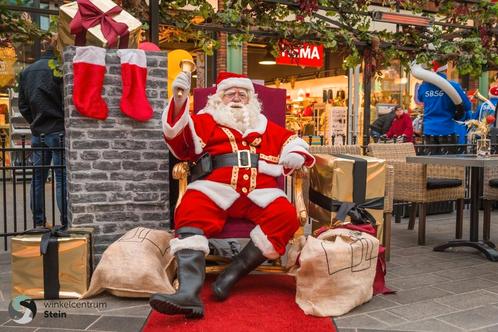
{"x": 236, "y": 155}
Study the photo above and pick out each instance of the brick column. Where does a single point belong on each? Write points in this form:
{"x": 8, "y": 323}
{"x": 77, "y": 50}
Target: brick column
{"x": 117, "y": 169}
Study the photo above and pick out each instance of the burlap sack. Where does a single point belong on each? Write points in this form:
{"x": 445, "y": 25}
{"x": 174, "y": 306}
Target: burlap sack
{"x": 336, "y": 272}
{"x": 137, "y": 265}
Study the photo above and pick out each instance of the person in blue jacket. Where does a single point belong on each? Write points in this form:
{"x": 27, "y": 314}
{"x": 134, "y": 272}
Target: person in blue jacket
{"x": 484, "y": 109}
{"x": 439, "y": 111}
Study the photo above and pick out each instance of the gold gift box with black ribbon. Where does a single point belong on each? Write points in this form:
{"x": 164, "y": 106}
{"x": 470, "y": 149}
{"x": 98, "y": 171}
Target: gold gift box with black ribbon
{"x": 347, "y": 188}
{"x": 52, "y": 263}
{"x": 94, "y": 35}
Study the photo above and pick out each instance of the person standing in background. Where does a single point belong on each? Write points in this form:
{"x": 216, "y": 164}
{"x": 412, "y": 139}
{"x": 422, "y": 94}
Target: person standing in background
{"x": 401, "y": 125}
{"x": 41, "y": 104}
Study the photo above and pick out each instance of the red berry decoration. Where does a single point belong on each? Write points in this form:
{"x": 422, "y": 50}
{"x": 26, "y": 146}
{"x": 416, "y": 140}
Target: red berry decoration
{"x": 490, "y": 119}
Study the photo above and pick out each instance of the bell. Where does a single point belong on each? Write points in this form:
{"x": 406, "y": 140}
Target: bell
{"x": 187, "y": 65}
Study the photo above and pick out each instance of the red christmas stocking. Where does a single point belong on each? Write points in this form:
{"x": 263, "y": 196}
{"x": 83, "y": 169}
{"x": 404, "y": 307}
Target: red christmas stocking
{"x": 134, "y": 102}
{"x": 89, "y": 70}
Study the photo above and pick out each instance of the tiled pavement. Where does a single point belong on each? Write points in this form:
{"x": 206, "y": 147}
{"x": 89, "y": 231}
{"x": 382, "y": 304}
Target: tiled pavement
{"x": 450, "y": 291}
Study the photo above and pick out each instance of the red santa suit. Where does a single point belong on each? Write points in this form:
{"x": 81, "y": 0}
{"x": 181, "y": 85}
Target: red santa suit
{"x": 233, "y": 191}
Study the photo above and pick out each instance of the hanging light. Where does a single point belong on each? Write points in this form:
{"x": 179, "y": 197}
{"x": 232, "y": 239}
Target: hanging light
{"x": 268, "y": 59}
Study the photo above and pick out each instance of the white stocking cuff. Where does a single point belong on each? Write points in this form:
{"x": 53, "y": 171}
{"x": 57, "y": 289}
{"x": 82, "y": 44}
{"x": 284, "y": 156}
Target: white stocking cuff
{"x": 195, "y": 242}
{"x": 261, "y": 241}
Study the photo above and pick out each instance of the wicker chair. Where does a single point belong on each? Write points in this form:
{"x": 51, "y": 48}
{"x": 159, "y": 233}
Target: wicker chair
{"x": 422, "y": 184}
{"x": 490, "y": 194}
{"x": 389, "y": 189}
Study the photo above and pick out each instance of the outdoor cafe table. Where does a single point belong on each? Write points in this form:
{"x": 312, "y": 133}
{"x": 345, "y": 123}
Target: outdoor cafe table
{"x": 486, "y": 247}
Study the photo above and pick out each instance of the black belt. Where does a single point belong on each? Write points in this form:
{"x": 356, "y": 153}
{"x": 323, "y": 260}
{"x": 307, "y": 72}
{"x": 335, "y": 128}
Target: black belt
{"x": 207, "y": 163}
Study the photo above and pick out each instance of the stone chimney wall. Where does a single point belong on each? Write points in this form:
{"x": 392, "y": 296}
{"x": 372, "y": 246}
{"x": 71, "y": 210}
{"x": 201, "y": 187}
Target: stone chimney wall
{"x": 117, "y": 169}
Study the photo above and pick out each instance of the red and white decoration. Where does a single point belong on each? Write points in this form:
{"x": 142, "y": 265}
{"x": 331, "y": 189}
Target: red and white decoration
{"x": 89, "y": 70}
{"x": 134, "y": 102}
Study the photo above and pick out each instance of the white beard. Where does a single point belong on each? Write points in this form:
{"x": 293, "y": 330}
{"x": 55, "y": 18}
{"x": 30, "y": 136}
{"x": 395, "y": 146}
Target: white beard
{"x": 237, "y": 116}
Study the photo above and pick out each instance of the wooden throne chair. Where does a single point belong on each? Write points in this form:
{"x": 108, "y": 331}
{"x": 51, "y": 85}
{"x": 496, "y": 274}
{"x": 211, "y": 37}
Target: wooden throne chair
{"x": 274, "y": 106}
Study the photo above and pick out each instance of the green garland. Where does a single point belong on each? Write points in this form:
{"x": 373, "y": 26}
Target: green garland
{"x": 346, "y": 24}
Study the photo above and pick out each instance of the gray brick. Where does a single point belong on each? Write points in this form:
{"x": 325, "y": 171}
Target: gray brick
{"x": 87, "y": 198}
{"x": 161, "y": 73}
{"x": 104, "y": 186}
{"x": 145, "y": 187}
{"x": 161, "y": 155}
{"x": 91, "y": 176}
{"x": 117, "y": 216}
{"x": 130, "y": 155}
{"x": 120, "y": 197}
{"x": 79, "y": 166}
{"x": 151, "y": 61}
{"x": 109, "y": 228}
{"x": 147, "y": 134}
{"x": 107, "y": 165}
{"x": 155, "y": 216}
{"x": 159, "y": 176}
{"x": 107, "y": 134}
{"x": 151, "y": 94}
{"x": 158, "y": 145}
{"x": 106, "y": 207}
{"x": 129, "y": 145}
{"x": 145, "y": 197}
{"x": 140, "y": 166}
{"x": 128, "y": 176}
{"x": 97, "y": 145}
{"x": 89, "y": 155}
{"x": 83, "y": 219}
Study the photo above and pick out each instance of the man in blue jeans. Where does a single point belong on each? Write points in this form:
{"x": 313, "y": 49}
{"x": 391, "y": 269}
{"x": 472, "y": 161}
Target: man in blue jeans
{"x": 41, "y": 104}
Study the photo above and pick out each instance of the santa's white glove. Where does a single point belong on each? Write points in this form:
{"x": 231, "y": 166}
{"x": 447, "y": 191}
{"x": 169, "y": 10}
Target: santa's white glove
{"x": 292, "y": 160}
{"x": 181, "y": 88}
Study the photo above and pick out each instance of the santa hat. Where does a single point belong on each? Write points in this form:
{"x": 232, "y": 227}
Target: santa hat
{"x": 436, "y": 67}
{"x": 493, "y": 92}
{"x": 228, "y": 80}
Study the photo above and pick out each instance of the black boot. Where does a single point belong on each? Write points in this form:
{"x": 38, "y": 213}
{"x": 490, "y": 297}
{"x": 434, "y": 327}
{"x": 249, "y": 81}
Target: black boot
{"x": 191, "y": 271}
{"x": 249, "y": 258}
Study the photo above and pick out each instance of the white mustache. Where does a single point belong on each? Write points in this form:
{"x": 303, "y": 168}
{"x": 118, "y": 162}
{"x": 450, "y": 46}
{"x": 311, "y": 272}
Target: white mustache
{"x": 236, "y": 105}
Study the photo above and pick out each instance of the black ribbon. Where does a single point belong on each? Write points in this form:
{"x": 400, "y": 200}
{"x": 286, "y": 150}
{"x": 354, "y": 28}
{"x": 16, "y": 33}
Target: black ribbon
{"x": 49, "y": 248}
{"x": 357, "y": 212}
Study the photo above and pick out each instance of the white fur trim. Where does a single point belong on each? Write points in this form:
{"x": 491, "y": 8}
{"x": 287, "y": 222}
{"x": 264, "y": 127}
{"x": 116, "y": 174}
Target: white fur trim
{"x": 235, "y": 82}
{"x": 221, "y": 194}
{"x": 269, "y": 169}
{"x": 195, "y": 137}
{"x": 172, "y": 132}
{"x": 261, "y": 241}
{"x": 133, "y": 57}
{"x": 263, "y": 197}
{"x": 292, "y": 160}
{"x": 90, "y": 54}
{"x": 297, "y": 144}
{"x": 260, "y": 126}
{"x": 195, "y": 242}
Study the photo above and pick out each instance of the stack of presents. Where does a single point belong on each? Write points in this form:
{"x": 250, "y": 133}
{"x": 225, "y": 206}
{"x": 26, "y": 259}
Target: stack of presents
{"x": 338, "y": 266}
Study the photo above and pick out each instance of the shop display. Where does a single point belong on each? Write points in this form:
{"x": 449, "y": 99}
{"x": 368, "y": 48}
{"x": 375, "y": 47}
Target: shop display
{"x": 347, "y": 188}
{"x": 52, "y": 263}
{"x": 82, "y": 23}
{"x": 341, "y": 263}
{"x": 89, "y": 71}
